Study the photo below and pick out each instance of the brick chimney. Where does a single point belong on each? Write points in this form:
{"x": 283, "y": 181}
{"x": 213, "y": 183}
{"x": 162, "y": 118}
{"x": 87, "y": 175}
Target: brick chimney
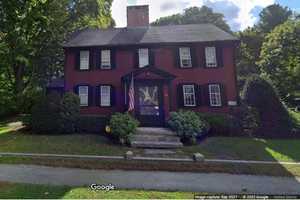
{"x": 137, "y": 16}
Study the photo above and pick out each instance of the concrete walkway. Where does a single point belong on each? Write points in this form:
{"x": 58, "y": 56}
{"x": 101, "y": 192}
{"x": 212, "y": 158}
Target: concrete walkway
{"x": 164, "y": 181}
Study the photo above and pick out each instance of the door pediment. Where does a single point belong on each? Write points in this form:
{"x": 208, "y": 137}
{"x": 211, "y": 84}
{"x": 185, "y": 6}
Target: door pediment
{"x": 149, "y": 73}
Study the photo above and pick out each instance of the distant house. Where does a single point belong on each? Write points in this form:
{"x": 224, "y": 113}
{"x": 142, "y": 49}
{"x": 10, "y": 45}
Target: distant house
{"x": 177, "y": 66}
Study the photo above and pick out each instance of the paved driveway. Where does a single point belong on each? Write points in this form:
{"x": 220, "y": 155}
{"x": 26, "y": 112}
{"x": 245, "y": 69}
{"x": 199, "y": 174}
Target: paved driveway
{"x": 183, "y": 181}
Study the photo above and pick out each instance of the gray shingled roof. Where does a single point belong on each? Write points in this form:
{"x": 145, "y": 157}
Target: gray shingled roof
{"x": 149, "y": 35}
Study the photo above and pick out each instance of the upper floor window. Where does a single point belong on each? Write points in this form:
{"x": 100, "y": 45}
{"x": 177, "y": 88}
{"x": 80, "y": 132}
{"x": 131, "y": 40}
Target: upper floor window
{"x": 84, "y": 60}
{"x": 83, "y": 93}
{"x": 105, "y": 95}
{"x": 185, "y": 57}
{"x": 105, "y": 59}
{"x": 143, "y": 57}
{"x": 215, "y": 95}
{"x": 189, "y": 98}
{"x": 210, "y": 57}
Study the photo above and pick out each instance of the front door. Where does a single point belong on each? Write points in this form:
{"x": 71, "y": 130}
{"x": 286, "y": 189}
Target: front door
{"x": 149, "y": 104}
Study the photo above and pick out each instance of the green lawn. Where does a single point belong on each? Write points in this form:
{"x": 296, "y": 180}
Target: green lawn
{"x": 93, "y": 144}
{"x": 248, "y": 149}
{"x": 296, "y": 118}
{"x": 28, "y": 191}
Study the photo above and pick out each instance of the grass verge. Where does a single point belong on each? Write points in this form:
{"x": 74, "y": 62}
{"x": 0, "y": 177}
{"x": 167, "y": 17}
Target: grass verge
{"x": 29, "y": 191}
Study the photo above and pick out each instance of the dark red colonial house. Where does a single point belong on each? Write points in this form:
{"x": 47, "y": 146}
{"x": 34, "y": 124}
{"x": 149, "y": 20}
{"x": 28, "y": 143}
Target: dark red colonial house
{"x": 177, "y": 66}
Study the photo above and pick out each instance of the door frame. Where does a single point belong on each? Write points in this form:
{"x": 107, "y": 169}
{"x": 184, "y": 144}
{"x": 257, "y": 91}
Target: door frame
{"x": 150, "y": 121}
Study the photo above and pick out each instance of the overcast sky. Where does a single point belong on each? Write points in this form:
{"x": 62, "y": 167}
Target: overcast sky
{"x": 239, "y": 14}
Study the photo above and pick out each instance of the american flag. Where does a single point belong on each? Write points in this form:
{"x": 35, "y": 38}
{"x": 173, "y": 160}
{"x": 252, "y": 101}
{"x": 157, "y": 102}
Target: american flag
{"x": 131, "y": 95}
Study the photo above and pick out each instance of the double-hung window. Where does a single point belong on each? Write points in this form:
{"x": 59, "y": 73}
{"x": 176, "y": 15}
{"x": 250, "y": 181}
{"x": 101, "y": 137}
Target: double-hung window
{"x": 84, "y": 60}
{"x": 185, "y": 57}
{"x": 215, "y": 95}
{"x": 143, "y": 57}
{"x": 189, "y": 98}
{"x": 105, "y": 95}
{"x": 210, "y": 57}
{"x": 83, "y": 93}
{"x": 105, "y": 59}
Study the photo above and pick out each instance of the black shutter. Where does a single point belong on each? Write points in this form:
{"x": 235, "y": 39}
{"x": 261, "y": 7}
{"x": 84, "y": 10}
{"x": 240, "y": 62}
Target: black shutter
{"x": 176, "y": 57}
{"x": 223, "y": 95}
{"x": 198, "y": 95}
{"x": 98, "y": 59}
{"x": 77, "y": 60}
{"x": 97, "y": 96}
{"x": 180, "y": 96}
{"x": 76, "y": 88}
{"x": 194, "y": 57}
{"x": 205, "y": 95}
{"x": 219, "y": 52}
{"x": 91, "y": 96}
{"x": 112, "y": 96}
{"x": 136, "y": 58}
{"x": 203, "y": 58}
{"x": 113, "y": 58}
{"x": 151, "y": 57}
{"x": 91, "y": 59}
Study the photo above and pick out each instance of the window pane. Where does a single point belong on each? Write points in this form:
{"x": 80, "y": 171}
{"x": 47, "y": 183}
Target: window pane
{"x": 143, "y": 57}
{"x": 215, "y": 95}
{"x": 210, "y": 56}
{"x": 189, "y": 95}
{"x": 83, "y": 93}
{"x": 105, "y": 59}
{"x": 84, "y": 60}
{"x": 185, "y": 57}
{"x": 105, "y": 95}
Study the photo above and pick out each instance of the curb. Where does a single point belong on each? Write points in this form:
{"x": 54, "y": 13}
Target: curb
{"x": 141, "y": 158}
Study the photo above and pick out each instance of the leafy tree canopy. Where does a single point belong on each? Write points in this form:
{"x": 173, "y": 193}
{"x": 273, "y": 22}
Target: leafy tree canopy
{"x": 252, "y": 39}
{"x": 272, "y": 16}
{"x": 31, "y": 33}
{"x": 280, "y": 57}
{"x": 195, "y": 15}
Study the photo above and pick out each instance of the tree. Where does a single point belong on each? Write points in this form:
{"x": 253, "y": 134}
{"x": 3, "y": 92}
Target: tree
{"x": 272, "y": 16}
{"x": 195, "y": 15}
{"x": 31, "y": 35}
{"x": 252, "y": 39}
{"x": 280, "y": 57}
{"x": 248, "y": 54}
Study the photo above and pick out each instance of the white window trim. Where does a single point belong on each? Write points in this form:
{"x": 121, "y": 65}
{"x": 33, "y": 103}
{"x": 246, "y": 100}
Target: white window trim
{"x": 184, "y": 93}
{"x": 219, "y": 96}
{"x": 103, "y": 66}
{"x": 145, "y": 60}
{"x": 109, "y": 96}
{"x": 84, "y": 95}
{"x": 185, "y": 57}
{"x": 212, "y": 64}
{"x": 83, "y": 55}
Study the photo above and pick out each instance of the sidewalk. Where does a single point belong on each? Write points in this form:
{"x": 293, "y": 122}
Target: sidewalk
{"x": 163, "y": 181}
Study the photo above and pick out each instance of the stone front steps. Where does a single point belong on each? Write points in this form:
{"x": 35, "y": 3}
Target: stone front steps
{"x": 156, "y": 138}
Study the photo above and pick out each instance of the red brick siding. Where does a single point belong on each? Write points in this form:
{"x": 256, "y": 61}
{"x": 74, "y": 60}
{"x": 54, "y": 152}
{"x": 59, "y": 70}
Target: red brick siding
{"x": 164, "y": 59}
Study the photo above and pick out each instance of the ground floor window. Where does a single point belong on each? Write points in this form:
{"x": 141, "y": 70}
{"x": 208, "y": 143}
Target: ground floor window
{"x": 215, "y": 95}
{"x": 105, "y": 95}
{"x": 189, "y": 98}
{"x": 83, "y": 93}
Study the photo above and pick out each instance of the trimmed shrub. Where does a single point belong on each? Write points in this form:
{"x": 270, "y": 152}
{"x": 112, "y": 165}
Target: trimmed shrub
{"x": 70, "y": 111}
{"x": 222, "y": 124}
{"x": 249, "y": 119}
{"x": 45, "y": 116}
{"x": 187, "y": 125}
{"x": 91, "y": 123}
{"x": 53, "y": 115}
{"x": 275, "y": 119}
{"x": 123, "y": 126}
